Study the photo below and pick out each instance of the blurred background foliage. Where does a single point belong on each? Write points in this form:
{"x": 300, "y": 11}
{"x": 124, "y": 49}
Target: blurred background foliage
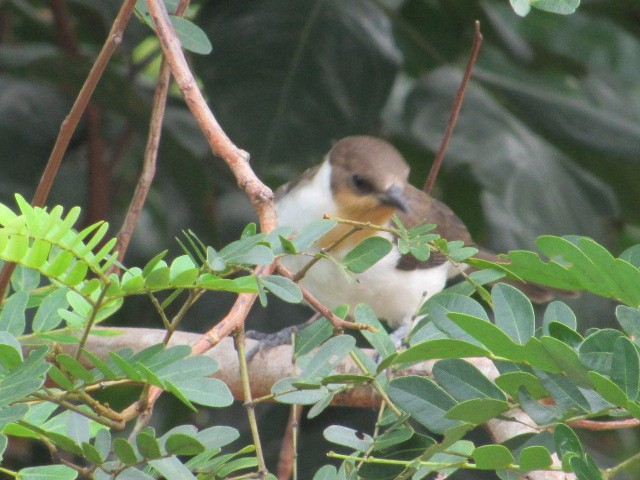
{"x": 548, "y": 140}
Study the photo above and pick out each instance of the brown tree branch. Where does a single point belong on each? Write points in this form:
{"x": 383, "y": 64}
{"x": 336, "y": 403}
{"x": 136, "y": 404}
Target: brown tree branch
{"x": 455, "y": 110}
{"x": 270, "y": 365}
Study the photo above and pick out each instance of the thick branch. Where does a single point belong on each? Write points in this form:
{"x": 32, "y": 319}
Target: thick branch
{"x": 269, "y": 366}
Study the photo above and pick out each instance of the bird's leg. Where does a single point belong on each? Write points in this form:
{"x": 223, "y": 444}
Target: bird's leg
{"x": 266, "y": 341}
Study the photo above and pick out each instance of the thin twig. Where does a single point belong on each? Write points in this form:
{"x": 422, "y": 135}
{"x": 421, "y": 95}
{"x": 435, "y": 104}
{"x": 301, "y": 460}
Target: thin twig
{"x": 239, "y": 343}
{"x": 150, "y": 154}
{"x": 457, "y": 105}
{"x": 287, "y": 459}
{"x": 70, "y": 123}
{"x": 605, "y": 425}
{"x": 336, "y": 321}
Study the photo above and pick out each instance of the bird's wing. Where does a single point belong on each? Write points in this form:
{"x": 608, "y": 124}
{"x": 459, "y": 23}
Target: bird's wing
{"x": 301, "y": 179}
{"x": 425, "y": 210}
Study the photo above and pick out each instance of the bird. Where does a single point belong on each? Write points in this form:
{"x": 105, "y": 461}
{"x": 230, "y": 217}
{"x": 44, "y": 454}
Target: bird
{"x": 366, "y": 179}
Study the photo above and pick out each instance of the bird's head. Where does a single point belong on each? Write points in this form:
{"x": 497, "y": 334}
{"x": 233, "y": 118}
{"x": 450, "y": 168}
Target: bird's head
{"x": 368, "y": 179}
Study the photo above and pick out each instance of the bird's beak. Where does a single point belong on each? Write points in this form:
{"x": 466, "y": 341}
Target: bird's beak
{"x": 395, "y": 197}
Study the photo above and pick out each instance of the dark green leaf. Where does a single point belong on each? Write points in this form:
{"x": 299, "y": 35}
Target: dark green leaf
{"x": 284, "y": 392}
{"x": 91, "y": 453}
{"x": 366, "y": 254}
{"x": 489, "y": 335}
{"x": 565, "y": 334}
{"x": 392, "y": 437}
{"x": 424, "y": 401}
{"x": 585, "y": 468}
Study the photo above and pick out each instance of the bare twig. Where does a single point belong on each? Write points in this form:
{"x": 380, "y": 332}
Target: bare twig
{"x": 336, "y": 321}
{"x": 71, "y": 121}
{"x": 457, "y": 104}
{"x": 150, "y": 153}
{"x": 288, "y": 449}
{"x": 605, "y": 425}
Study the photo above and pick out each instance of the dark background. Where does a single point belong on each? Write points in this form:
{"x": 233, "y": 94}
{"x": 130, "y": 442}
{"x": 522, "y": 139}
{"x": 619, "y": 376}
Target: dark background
{"x": 548, "y": 141}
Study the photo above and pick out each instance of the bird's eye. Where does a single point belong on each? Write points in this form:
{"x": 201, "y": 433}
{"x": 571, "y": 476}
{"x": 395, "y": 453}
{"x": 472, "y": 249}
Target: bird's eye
{"x": 361, "y": 184}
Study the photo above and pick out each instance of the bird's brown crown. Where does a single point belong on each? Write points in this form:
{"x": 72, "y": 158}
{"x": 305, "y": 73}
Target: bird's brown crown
{"x": 368, "y": 180}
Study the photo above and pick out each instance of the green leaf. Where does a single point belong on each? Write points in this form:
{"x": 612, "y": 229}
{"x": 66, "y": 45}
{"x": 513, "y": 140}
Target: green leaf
{"x": 12, "y": 413}
{"x": 348, "y": 437}
{"x": 560, "y": 312}
{"x": 563, "y": 7}
{"x": 172, "y": 468}
{"x": 77, "y": 428}
{"x": 26, "y": 279}
{"x": 10, "y": 351}
{"x": 284, "y": 392}
{"x": 565, "y": 393}
{"x": 437, "y": 310}
{"x": 74, "y": 367}
{"x": 191, "y": 36}
{"x": 312, "y": 232}
{"x": 102, "y": 442}
{"x": 535, "y": 457}
{"x": 209, "y": 392}
{"x": 463, "y": 381}
{"x": 379, "y": 339}
{"x": 327, "y": 472}
{"x": 366, "y": 254}
{"x": 489, "y": 335}
{"x": 566, "y": 441}
{"x": 218, "y": 436}
{"x": 510, "y": 382}
{"x": 426, "y": 402}
{"x": 477, "y": 410}
{"x": 541, "y": 413}
{"x": 328, "y": 356}
{"x": 492, "y": 457}
{"x": 48, "y": 472}
{"x": 12, "y": 316}
{"x": 513, "y": 313}
{"x": 392, "y": 437}
{"x": 182, "y": 444}
{"x": 91, "y": 453}
{"x": 440, "y": 348}
{"x": 597, "y": 350}
{"x": 312, "y": 335}
{"x": 282, "y": 288}
{"x": 629, "y": 319}
{"x": 611, "y": 392}
{"x": 183, "y": 272}
{"x": 625, "y": 367}
{"x": 158, "y": 278}
{"x": 585, "y": 468}
{"x": 568, "y": 359}
{"x": 47, "y": 317}
{"x": 124, "y": 451}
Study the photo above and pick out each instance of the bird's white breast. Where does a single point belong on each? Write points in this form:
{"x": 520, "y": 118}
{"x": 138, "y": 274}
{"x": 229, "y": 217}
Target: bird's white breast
{"x": 395, "y": 295}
